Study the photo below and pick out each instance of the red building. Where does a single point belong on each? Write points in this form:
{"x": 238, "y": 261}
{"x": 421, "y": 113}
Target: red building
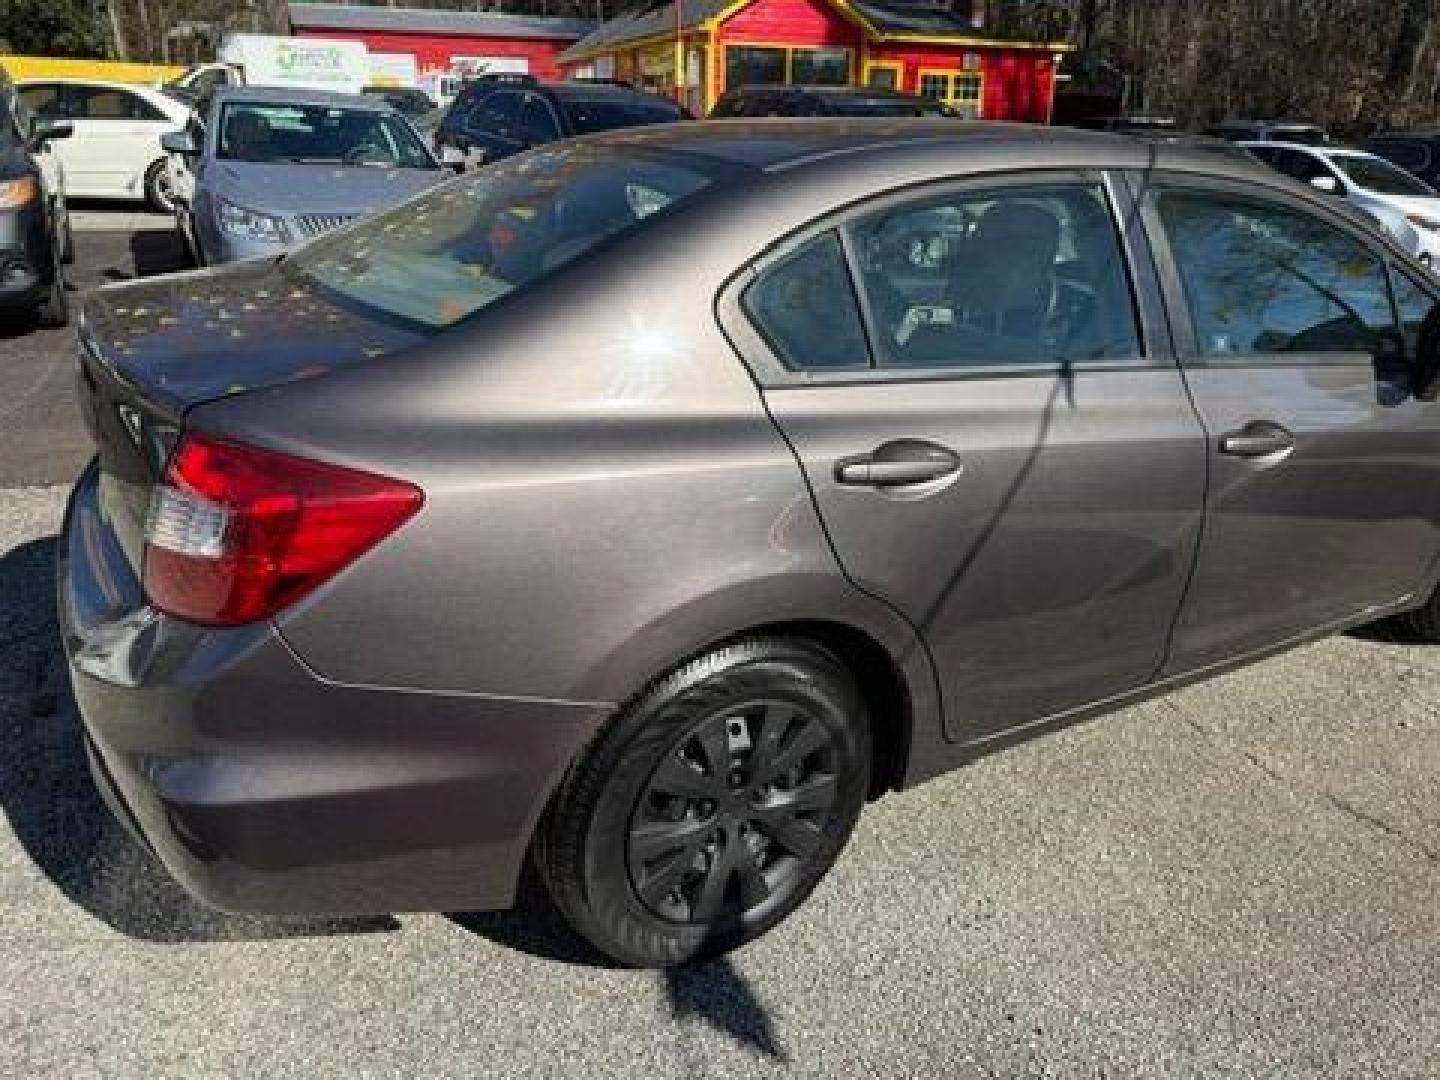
{"x": 446, "y": 42}
{"x": 935, "y": 49}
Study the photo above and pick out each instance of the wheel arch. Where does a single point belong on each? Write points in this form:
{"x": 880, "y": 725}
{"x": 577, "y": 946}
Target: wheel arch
{"x": 887, "y": 659}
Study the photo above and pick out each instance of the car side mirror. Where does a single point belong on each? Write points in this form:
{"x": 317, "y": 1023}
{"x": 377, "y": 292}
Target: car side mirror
{"x": 1327, "y": 184}
{"x": 48, "y": 132}
{"x": 178, "y": 142}
{"x": 1425, "y": 372}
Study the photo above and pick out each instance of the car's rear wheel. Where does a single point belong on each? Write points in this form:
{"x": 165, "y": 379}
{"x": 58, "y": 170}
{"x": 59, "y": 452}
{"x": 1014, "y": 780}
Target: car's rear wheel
{"x": 1420, "y": 626}
{"x": 159, "y": 190}
{"x": 712, "y": 806}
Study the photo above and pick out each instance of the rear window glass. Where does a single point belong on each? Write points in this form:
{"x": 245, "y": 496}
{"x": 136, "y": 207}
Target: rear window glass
{"x": 445, "y": 255}
{"x": 603, "y": 114}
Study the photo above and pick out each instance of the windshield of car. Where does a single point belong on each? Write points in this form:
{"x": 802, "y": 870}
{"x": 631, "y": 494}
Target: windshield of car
{"x": 320, "y": 134}
{"x": 1377, "y": 174}
{"x": 1305, "y": 136}
{"x": 443, "y": 256}
{"x": 604, "y": 113}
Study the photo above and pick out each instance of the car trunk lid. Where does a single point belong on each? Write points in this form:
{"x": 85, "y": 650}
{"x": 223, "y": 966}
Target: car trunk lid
{"x": 153, "y": 350}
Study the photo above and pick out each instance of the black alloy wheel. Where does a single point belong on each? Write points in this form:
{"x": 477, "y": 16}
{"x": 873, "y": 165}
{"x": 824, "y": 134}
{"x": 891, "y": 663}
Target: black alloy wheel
{"x": 731, "y": 815}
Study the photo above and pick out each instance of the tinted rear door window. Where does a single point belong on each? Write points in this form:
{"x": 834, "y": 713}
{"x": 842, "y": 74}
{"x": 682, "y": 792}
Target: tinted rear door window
{"x": 1027, "y": 275}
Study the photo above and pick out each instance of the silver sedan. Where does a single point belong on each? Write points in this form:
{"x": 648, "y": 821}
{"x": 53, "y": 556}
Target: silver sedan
{"x": 261, "y": 169}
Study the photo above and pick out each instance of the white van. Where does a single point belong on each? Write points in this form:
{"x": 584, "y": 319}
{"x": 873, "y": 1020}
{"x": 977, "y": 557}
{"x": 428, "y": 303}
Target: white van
{"x": 314, "y": 63}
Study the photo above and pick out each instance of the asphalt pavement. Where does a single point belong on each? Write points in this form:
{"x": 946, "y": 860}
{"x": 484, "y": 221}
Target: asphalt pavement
{"x": 1240, "y": 880}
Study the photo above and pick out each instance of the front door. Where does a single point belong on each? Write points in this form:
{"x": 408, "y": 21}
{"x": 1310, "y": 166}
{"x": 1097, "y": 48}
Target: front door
{"x": 992, "y": 447}
{"x": 1324, "y": 493}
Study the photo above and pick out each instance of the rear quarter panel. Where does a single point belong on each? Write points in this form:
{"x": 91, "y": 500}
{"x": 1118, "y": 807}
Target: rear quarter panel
{"x": 605, "y": 494}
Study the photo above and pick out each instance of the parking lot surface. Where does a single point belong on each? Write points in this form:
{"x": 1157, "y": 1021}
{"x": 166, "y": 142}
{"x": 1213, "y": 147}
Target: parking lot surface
{"x": 1239, "y": 880}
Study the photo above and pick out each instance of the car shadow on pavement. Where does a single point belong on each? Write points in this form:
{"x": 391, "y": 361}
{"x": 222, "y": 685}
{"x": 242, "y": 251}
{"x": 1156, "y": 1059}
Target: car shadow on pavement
{"x": 714, "y": 994}
{"x": 51, "y": 804}
{"x": 152, "y": 251}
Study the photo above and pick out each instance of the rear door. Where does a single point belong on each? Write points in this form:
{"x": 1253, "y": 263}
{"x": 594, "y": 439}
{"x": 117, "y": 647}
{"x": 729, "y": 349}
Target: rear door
{"x": 1324, "y": 494}
{"x": 996, "y": 448}
{"x": 116, "y": 138}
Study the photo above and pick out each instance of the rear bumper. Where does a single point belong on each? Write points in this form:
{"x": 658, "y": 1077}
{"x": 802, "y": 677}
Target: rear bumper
{"x": 263, "y": 788}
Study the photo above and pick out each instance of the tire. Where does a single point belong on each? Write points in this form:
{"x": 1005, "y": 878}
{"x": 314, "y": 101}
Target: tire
{"x": 157, "y": 188}
{"x": 54, "y": 310}
{"x": 1420, "y": 626}
{"x": 68, "y": 233}
{"x": 711, "y": 806}
{"x": 187, "y": 241}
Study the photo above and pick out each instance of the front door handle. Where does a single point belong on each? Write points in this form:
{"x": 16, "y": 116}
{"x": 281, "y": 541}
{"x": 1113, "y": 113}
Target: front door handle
{"x": 902, "y": 463}
{"x": 1260, "y": 438}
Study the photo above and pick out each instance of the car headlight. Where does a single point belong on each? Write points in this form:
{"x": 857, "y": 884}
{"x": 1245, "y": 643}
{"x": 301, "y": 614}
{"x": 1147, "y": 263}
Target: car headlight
{"x": 246, "y": 224}
{"x": 18, "y": 192}
{"x": 1423, "y": 221}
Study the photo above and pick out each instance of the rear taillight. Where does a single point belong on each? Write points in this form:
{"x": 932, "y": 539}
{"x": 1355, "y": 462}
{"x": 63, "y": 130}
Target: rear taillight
{"x": 235, "y": 534}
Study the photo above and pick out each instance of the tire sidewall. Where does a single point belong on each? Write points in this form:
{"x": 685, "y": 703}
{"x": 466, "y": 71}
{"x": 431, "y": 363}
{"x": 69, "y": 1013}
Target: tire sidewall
{"x": 611, "y": 914}
{"x": 153, "y": 194}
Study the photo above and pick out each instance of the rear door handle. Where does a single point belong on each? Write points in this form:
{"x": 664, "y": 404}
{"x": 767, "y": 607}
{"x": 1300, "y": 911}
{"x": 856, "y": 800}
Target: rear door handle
{"x": 902, "y": 463}
{"x": 1261, "y": 438}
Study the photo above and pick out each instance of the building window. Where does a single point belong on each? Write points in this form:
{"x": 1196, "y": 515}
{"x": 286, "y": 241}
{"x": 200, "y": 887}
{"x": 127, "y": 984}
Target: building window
{"x": 820, "y": 67}
{"x": 961, "y": 91}
{"x": 764, "y": 65}
{"x": 882, "y": 76}
{"x": 754, "y": 65}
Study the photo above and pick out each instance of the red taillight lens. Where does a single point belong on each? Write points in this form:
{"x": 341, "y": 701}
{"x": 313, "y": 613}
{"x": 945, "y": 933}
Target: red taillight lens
{"x": 235, "y": 534}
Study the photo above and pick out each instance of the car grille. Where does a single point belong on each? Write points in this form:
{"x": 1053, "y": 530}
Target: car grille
{"x": 315, "y": 224}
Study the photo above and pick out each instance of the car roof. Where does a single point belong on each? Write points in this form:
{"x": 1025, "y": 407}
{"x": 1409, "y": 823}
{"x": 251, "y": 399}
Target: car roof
{"x": 107, "y": 84}
{"x": 776, "y": 144}
{"x": 300, "y": 95}
{"x": 595, "y": 90}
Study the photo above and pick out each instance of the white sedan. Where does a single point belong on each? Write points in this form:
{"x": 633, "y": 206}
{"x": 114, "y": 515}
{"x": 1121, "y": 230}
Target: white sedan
{"x": 115, "y": 152}
{"x": 1407, "y": 206}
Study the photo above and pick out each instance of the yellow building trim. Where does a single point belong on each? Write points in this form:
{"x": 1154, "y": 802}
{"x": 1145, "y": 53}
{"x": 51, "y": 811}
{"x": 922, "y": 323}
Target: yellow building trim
{"x": 975, "y": 42}
{"x": 714, "y": 21}
{"x": 849, "y": 11}
{"x": 897, "y": 66}
{"x": 952, "y": 77}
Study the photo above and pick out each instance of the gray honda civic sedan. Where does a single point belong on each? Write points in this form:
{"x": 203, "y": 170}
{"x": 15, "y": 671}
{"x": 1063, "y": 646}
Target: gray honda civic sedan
{"x": 645, "y": 504}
